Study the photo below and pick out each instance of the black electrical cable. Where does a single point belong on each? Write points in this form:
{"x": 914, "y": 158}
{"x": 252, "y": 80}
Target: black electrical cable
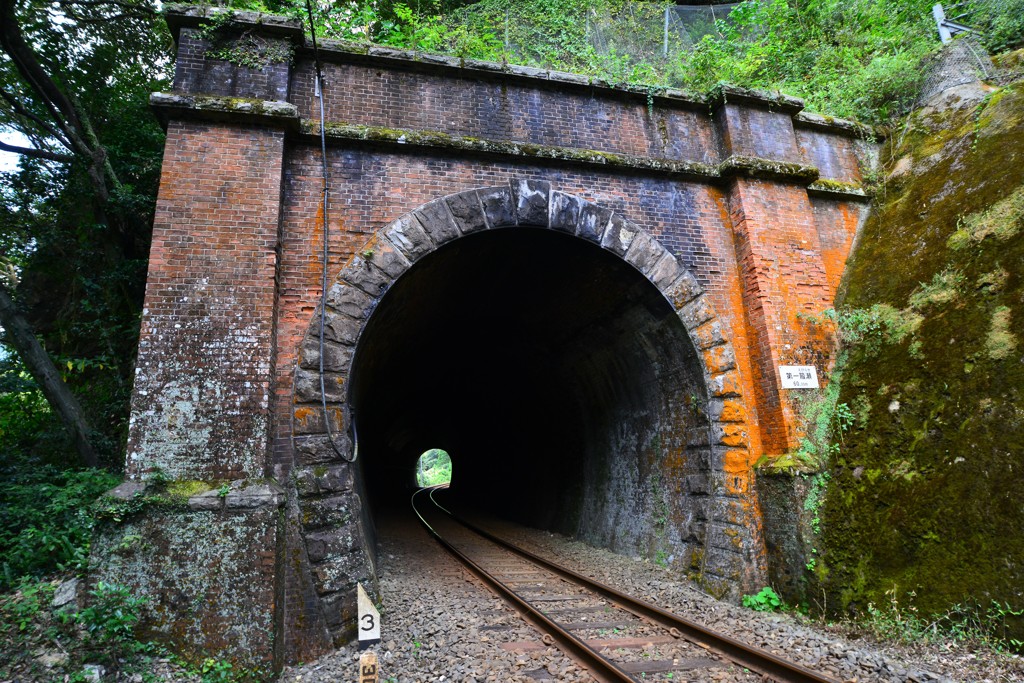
{"x": 319, "y": 91}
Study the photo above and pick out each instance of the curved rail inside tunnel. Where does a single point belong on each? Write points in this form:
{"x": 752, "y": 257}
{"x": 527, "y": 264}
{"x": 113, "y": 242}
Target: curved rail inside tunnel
{"x": 577, "y": 376}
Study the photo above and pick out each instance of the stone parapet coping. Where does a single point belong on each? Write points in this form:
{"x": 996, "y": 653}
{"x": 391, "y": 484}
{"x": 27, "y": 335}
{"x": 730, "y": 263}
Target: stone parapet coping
{"x": 839, "y": 190}
{"x": 724, "y": 93}
{"x": 192, "y": 16}
{"x": 830, "y": 124}
{"x": 223, "y": 108}
{"x": 179, "y": 16}
{"x": 365, "y": 53}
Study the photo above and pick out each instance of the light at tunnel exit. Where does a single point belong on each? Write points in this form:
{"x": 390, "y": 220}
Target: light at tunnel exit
{"x": 434, "y": 468}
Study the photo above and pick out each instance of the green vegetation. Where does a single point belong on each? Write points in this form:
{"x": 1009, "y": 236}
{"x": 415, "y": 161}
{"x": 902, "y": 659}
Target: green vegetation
{"x": 923, "y": 495}
{"x": 859, "y": 58}
{"x": 929, "y": 385}
{"x": 45, "y": 524}
{"x": 434, "y": 468}
{"x": 75, "y": 219}
{"x": 963, "y": 623}
{"x": 41, "y": 642}
{"x": 765, "y": 601}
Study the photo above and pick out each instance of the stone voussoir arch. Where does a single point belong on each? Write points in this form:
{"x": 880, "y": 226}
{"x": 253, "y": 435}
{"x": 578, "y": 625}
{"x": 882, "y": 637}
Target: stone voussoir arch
{"x": 328, "y": 505}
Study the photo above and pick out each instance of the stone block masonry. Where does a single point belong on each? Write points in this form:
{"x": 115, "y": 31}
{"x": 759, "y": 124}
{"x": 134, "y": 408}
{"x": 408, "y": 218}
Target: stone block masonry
{"x": 726, "y": 218}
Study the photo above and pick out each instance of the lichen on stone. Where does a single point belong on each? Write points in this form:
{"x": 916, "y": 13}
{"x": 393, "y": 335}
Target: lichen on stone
{"x": 925, "y": 488}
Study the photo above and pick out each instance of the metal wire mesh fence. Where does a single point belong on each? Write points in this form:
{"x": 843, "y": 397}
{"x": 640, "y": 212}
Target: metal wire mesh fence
{"x": 654, "y": 31}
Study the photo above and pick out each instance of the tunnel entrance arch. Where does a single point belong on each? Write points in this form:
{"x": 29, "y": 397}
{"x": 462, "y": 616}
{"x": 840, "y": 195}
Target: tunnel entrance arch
{"x": 610, "y": 397}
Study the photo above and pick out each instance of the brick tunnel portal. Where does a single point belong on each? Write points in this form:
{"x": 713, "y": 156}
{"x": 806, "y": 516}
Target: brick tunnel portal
{"x": 559, "y": 379}
{"x": 611, "y": 373}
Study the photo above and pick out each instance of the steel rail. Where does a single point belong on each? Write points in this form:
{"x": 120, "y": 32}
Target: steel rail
{"x": 602, "y": 668}
{"x": 755, "y": 659}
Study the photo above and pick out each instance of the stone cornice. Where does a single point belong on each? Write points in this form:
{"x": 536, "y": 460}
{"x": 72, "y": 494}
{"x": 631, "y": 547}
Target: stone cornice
{"x": 219, "y": 108}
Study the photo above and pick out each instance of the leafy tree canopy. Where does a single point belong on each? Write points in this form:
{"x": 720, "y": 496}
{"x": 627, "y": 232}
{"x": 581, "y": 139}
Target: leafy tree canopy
{"x": 75, "y": 216}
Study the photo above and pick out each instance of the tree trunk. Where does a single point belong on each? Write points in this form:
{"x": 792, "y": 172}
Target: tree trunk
{"x": 47, "y": 377}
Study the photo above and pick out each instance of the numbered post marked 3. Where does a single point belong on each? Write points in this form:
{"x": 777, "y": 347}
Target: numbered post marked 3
{"x": 369, "y": 620}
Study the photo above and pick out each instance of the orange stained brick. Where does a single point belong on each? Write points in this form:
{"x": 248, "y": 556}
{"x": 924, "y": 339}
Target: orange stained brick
{"x": 719, "y": 359}
{"x": 736, "y": 461}
{"x": 734, "y": 435}
{"x": 733, "y": 411}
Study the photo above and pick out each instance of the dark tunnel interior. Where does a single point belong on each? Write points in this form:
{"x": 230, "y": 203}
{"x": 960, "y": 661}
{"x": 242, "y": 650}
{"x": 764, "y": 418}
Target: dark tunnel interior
{"x": 555, "y": 375}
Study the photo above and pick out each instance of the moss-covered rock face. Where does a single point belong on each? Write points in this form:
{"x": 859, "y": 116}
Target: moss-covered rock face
{"x": 926, "y": 495}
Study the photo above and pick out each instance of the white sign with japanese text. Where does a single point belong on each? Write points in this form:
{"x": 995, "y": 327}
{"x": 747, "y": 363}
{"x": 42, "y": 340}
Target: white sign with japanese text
{"x": 798, "y": 376}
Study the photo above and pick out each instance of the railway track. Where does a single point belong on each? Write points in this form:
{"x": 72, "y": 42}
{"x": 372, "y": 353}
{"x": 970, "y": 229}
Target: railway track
{"x": 614, "y": 636}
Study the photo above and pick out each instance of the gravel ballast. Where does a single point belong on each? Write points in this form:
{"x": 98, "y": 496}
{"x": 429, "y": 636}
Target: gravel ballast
{"x": 441, "y": 624}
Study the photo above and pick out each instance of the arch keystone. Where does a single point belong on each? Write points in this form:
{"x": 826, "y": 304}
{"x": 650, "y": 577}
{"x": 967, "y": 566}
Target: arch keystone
{"x": 564, "y": 213}
{"x": 531, "y": 201}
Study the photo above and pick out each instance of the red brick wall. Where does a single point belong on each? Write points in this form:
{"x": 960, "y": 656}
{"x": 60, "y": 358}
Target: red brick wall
{"x": 500, "y": 108}
{"x": 755, "y": 132}
{"x": 784, "y": 278}
{"x": 199, "y": 409}
{"x": 837, "y": 223}
{"x": 372, "y": 188}
{"x": 834, "y": 155}
{"x": 236, "y": 266}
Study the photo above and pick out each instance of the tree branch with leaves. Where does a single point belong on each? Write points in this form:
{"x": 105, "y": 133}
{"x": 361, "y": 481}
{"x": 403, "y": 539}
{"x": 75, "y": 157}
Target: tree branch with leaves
{"x": 74, "y": 79}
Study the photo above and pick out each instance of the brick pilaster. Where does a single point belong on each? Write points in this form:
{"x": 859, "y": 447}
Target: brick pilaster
{"x": 785, "y": 283}
{"x": 202, "y": 385}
